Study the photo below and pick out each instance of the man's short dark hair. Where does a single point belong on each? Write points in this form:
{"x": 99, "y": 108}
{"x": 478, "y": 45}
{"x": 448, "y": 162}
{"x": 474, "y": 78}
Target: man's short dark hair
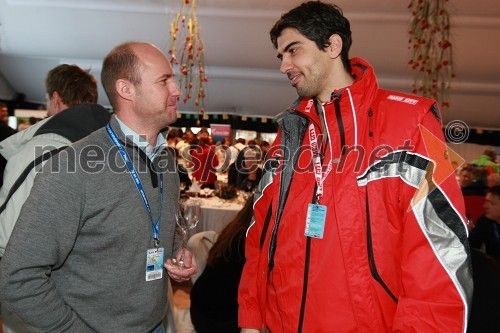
{"x": 317, "y": 21}
{"x": 120, "y": 63}
{"x": 72, "y": 83}
{"x": 240, "y": 140}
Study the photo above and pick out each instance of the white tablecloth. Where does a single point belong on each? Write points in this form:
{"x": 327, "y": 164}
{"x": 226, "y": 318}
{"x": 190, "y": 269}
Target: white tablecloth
{"x": 216, "y": 214}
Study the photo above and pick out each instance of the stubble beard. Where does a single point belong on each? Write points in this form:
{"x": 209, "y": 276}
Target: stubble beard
{"x": 306, "y": 91}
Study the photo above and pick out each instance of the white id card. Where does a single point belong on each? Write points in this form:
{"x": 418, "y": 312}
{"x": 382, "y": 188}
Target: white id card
{"x": 315, "y": 221}
{"x": 154, "y": 264}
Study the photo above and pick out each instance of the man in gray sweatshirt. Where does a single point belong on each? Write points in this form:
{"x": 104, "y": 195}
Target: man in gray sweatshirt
{"x": 87, "y": 252}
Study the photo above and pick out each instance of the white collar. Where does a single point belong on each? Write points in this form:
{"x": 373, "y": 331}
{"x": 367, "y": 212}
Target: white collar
{"x": 150, "y": 151}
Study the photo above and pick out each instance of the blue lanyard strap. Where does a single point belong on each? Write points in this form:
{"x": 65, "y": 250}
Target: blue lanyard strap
{"x": 138, "y": 184}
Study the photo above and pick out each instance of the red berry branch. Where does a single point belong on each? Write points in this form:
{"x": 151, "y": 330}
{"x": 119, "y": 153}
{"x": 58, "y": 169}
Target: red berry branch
{"x": 429, "y": 41}
{"x": 185, "y": 33}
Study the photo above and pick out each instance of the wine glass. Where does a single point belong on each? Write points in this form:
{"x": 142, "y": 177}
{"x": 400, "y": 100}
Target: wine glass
{"x": 187, "y": 218}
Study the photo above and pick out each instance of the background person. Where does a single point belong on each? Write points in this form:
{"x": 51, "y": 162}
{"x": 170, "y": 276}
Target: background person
{"x": 487, "y": 159}
{"x": 70, "y": 89}
{"x": 5, "y": 129}
{"x": 205, "y": 162}
{"x": 487, "y": 230}
{"x": 485, "y": 309}
{"x": 234, "y": 157}
{"x": 474, "y": 193}
{"x": 250, "y": 173}
{"x": 5, "y": 132}
{"x": 63, "y": 268}
{"x": 465, "y": 176}
{"x": 343, "y": 239}
{"x": 74, "y": 116}
{"x": 214, "y": 296}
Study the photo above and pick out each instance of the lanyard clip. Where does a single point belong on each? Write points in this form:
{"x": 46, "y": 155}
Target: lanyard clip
{"x": 318, "y": 198}
{"x": 156, "y": 242}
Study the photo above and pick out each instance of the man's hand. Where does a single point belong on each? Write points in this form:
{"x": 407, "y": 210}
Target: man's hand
{"x": 182, "y": 274}
{"x": 249, "y": 330}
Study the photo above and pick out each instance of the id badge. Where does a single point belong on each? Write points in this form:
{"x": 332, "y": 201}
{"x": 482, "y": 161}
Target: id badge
{"x": 315, "y": 221}
{"x": 154, "y": 264}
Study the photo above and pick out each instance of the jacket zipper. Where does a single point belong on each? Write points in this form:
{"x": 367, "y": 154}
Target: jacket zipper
{"x": 370, "y": 114}
{"x": 306, "y": 273}
{"x": 371, "y": 258}
{"x": 340, "y": 124}
{"x": 306, "y": 283}
{"x": 274, "y": 234}
{"x": 279, "y": 211}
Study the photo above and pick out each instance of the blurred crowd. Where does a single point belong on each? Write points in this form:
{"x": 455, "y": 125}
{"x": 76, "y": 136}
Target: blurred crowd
{"x": 235, "y": 163}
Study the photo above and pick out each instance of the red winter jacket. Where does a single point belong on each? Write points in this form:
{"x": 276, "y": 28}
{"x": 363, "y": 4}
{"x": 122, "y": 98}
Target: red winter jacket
{"x": 394, "y": 254}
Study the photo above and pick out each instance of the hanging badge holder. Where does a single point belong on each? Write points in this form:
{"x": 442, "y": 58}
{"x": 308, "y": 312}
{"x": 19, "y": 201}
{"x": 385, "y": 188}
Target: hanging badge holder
{"x": 154, "y": 256}
{"x": 315, "y": 221}
{"x": 154, "y": 264}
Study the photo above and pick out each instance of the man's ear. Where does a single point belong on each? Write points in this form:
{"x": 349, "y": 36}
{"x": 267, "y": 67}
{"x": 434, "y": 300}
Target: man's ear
{"x": 335, "y": 47}
{"x": 124, "y": 89}
{"x": 57, "y": 102}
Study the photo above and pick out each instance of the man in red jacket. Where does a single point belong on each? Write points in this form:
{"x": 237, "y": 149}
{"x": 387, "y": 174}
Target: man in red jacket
{"x": 359, "y": 220}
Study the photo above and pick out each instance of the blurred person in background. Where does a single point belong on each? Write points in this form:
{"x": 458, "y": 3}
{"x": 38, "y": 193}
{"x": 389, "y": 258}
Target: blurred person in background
{"x": 250, "y": 173}
{"x": 205, "y": 162}
{"x": 73, "y": 114}
{"x": 5, "y": 129}
{"x": 235, "y": 157}
{"x": 5, "y": 132}
{"x": 474, "y": 193}
{"x": 493, "y": 180}
{"x": 264, "y": 148}
{"x": 214, "y": 296}
{"x": 486, "y": 233}
{"x": 465, "y": 176}
{"x": 487, "y": 159}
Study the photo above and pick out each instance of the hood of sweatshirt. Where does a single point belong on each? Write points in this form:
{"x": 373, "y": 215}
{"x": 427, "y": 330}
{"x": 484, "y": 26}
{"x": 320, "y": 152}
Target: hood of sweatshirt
{"x": 72, "y": 124}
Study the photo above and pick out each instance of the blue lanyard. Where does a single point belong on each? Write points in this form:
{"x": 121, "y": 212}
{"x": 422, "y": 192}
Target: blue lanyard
{"x": 138, "y": 184}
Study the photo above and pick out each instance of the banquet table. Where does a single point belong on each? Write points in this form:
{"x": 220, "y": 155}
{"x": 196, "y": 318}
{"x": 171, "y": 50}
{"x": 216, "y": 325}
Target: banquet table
{"x": 216, "y": 214}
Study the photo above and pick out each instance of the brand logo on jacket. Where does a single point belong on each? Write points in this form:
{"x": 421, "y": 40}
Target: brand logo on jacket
{"x": 309, "y": 105}
{"x": 402, "y": 99}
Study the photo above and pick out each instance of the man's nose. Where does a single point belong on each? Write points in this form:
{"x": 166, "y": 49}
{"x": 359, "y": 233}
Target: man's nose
{"x": 286, "y": 65}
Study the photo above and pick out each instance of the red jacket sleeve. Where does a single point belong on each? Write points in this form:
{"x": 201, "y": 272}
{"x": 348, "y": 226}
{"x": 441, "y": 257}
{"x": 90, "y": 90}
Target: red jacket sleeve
{"x": 436, "y": 274}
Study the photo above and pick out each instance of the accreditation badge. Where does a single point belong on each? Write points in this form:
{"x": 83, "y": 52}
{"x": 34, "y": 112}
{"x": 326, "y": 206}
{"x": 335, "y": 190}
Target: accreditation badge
{"x": 154, "y": 264}
{"x": 315, "y": 221}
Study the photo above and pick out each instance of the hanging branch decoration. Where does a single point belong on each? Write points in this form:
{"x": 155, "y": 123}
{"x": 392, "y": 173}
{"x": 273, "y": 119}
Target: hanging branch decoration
{"x": 429, "y": 41}
{"x": 185, "y": 32}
